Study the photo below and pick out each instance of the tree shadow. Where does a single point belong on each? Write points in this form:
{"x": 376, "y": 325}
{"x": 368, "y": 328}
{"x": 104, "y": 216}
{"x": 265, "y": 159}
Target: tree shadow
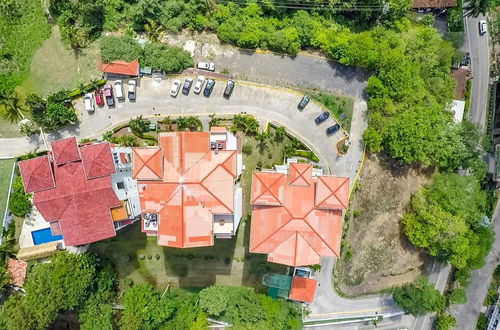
{"x": 399, "y": 169}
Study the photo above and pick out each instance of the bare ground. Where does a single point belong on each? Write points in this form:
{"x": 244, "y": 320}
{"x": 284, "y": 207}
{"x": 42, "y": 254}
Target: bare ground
{"x": 376, "y": 256}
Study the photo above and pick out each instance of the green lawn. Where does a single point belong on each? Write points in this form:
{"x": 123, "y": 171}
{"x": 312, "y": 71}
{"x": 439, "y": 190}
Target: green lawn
{"x": 227, "y": 262}
{"x": 55, "y": 66}
{"x": 5, "y": 175}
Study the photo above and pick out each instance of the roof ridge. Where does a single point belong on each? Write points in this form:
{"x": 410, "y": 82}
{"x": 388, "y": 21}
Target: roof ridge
{"x": 333, "y": 192}
{"x": 274, "y": 232}
{"x": 280, "y": 176}
{"x": 208, "y": 190}
{"x": 301, "y": 174}
{"x": 307, "y": 242}
{"x": 145, "y": 162}
{"x": 317, "y": 234}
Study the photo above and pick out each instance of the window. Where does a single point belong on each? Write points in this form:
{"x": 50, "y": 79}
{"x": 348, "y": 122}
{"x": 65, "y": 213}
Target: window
{"x": 120, "y": 185}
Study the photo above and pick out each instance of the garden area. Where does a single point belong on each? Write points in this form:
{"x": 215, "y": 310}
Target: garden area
{"x": 338, "y": 106}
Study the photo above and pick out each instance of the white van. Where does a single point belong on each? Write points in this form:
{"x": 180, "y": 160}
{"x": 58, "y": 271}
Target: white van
{"x": 118, "y": 87}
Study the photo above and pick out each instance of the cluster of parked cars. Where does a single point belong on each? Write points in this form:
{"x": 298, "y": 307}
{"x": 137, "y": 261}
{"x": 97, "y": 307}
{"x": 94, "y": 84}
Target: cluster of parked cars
{"x": 107, "y": 94}
{"x": 321, "y": 118}
{"x": 200, "y": 84}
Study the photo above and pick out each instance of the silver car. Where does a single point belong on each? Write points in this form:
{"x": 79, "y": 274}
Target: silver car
{"x": 175, "y": 87}
{"x": 198, "y": 85}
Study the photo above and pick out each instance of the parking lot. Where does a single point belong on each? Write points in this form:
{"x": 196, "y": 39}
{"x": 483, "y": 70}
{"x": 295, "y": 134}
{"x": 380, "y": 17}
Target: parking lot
{"x": 266, "y": 103}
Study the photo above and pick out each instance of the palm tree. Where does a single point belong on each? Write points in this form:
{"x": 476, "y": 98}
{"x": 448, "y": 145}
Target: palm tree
{"x": 475, "y": 7}
{"x": 12, "y": 108}
{"x": 154, "y": 31}
{"x": 261, "y": 138}
{"x": 280, "y": 133}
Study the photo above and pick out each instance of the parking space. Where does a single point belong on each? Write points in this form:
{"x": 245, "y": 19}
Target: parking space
{"x": 266, "y": 103}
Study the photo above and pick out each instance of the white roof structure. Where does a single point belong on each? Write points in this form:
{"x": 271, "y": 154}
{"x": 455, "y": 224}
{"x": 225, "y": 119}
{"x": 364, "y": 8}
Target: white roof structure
{"x": 458, "y": 108}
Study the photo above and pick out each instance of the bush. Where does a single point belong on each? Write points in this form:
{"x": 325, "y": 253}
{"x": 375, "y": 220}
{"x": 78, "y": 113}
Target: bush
{"x": 419, "y": 297}
{"x": 247, "y": 149}
{"x": 170, "y": 59}
{"x": 457, "y": 296}
{"x": 123, "y": 48}
{"x": 19, "y": 202}
{"x": 306, "y": 154}
{"x": 444, "y": 322}
{"x": 139, "y": 125}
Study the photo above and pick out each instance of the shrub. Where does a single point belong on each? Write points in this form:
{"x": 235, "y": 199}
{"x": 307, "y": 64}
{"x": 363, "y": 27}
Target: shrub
{"x": 170, "y": 59}
{"x": 419, "y": 297}
{"x": 19, "y": 202}
{"x": 123, "y": 48}
{"x": 139, "y": 125}
{"x": 247, "y": 149}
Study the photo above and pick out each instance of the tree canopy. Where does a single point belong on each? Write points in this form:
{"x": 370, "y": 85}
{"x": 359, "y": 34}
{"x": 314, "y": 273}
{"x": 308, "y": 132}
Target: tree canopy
{"x": 447, "y": 219}
{"x": 419, "y": 297}
{"x": 19, "y": 202}
{"x": 123, "y": 48}
{"x": 167, "y": 58}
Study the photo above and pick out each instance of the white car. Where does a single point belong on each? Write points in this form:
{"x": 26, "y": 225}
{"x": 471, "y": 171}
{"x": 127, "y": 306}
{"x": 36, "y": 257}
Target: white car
{"x": 131, "y": 89}
{"x": 206, "y": 66}
{"x": 89, "y": 102}
{"x": 198, "y": 85}
{"x": 175, "y": 87}
{"x": 483, "y": 27}
{"x": 118, "y": 87}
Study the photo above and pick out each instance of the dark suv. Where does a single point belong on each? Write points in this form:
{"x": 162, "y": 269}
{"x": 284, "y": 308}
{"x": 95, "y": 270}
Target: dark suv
{"x": 229, "y": 89}
{"x": 303, "y": 102}
{"x": 332, "y": 129}
{"x": 187, "y": 86}
{"x": 321, "y": 118}
{"x": 209, "y": 87}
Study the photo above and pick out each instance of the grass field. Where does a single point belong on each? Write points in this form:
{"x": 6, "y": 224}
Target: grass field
{"x": 55, "y": 66}
{"x": 339, "y": 106}
{"x": 5, "y": 174}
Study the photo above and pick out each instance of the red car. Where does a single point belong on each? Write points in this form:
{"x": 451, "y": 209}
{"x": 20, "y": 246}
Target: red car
{"x": 99, "y": 99}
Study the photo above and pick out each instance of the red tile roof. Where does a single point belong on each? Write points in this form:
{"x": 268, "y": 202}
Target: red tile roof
{"x": 121, "y": 67}
{"x": 302, "y": 289}
{"x": 287, "y": 224}
{"x": 97, "y": 160}
{"x": 65, "y": 150}
{"x": 17, "y": 271}
{"x": 36, "y": 174}
{"x": 434, "y": 3}
{"x": 55, "y": 228}
{"x": 194, "y": 184}
{"x": 79, "y": 203}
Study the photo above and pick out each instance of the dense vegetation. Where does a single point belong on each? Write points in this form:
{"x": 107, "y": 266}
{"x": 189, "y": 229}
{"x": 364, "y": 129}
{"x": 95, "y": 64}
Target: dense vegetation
{"x": 19, "y": 202}
{"x": 156, "y": 55}
{"x": 449, "y": 219}
{"x": 22, "y": 30}
{"x": 52, "y": 112}
{"x": 87, "y": 285}
{"x": 419, "y": 297}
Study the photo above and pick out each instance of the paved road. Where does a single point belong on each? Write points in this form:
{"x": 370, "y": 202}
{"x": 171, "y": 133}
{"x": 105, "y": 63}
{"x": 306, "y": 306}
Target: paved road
{"x": 479, "y": 55}
{"x": 327, "y": 304}
{"x": 299, "y": 71}
{"x": 267, "y": 103}
{"x": 467, "y": 314}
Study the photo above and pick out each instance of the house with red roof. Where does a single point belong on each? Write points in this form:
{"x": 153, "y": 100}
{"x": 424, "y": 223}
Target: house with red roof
{"x": 297, "y": 216}
{"x": 121, "y": 68}
{"x": 72, "y": 190}
{"x": 187, "y": 187}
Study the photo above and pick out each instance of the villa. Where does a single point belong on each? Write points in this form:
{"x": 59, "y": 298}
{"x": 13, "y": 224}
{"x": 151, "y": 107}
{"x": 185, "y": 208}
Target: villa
{"x": 297, "y": 214}
{"x": 82, "y": 194}
{"x": 188, "y": 187}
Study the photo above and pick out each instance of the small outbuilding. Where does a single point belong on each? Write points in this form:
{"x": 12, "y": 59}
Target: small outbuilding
{"x": 121, "y": 68}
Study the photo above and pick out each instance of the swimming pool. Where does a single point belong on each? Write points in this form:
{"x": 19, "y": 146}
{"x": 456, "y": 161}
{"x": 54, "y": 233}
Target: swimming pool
{"x": 44, "y": 236}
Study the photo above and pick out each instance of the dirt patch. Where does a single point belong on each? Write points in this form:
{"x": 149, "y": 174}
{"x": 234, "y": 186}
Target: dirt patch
{"x": 376, "y": 255}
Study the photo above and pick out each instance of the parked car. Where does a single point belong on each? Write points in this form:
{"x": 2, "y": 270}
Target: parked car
{"x": 229, "y": 89}
{"x": 466, "y": 60}
{"x": 209, "y": 87}
{"x": 176, "y": 85}
{"x": 99, "y": 98}
{"x": 332, "y": 129}
{"x": 108, "y": 94}
{"x": 303, "y": 102}
{"x": 200, "y": 80}
{"x": 206, "y": 66}
{"x": 321, "y": 118}
{"x": 132, "y": 84}
{"x": 187, "y": 86}
{"x": 89, "y": 103}
{"x": 483, "y": 27}
{"x": 118, "y": 87}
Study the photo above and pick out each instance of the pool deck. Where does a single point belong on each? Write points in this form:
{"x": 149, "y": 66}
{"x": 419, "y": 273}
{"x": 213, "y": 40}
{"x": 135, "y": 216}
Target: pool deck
{"x": 33, "y": 221}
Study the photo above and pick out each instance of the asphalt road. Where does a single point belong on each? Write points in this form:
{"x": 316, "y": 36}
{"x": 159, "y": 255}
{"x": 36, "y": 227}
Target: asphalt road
{"x": 468, "y": 313}
{"x": 479, "y": 55}
{"x": 304, "y": 71}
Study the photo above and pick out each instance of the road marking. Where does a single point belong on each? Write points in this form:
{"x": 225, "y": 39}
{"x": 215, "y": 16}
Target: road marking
{"x": 351, "y": 312}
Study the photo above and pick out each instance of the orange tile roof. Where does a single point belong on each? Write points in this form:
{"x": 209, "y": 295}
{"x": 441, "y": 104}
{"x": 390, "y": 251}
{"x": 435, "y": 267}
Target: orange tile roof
{"x": 287, "y": 224}
{"x": 185, "y": 183}
{"x": 121, "y": 67}
{"x": 218, "y": 129}
{"x": 120, "y": 212}
{"x": 17, "y": 271}
{"x": 302, "y": 289}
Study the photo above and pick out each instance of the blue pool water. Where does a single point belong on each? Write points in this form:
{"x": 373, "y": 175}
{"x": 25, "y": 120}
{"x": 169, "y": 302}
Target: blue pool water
{"x": 44, "y": 236}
